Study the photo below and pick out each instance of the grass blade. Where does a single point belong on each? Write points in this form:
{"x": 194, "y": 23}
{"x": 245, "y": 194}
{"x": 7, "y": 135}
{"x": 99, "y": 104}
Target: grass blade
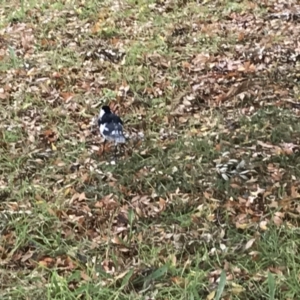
{"x": 271, "y": 284}
{"x": 221, "y": 285}
{"x": 126, "y": 278}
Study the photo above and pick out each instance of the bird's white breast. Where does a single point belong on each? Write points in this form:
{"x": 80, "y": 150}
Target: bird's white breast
{"x": 103, "y": 128}
{"x": 101, "y": 113}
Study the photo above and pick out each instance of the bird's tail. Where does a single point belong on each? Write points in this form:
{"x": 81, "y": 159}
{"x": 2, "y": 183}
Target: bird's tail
{"x": 118, "y": 134}
{"x": 120, "y": 139}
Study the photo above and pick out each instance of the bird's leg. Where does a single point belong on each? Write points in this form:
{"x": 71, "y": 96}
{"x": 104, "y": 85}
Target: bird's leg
{"x": 103, "y": 149}
{"x": 115, "y": 152}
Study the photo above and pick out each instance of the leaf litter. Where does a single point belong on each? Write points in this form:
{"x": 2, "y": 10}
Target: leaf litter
{"x": 192, "y": 82}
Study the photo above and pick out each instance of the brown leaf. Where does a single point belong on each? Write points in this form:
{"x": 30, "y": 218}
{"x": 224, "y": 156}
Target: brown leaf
{"x": 26, "y": 256}
{"x": 49, "y": 135}
{"x": 67, "y": 96}
{"x": 84, "y": 276}
{"x": 47, "y": 262}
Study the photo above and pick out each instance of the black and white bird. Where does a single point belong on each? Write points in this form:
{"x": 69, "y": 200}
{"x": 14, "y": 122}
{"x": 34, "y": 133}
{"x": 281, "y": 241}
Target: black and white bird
{"x": 110, "y": 126}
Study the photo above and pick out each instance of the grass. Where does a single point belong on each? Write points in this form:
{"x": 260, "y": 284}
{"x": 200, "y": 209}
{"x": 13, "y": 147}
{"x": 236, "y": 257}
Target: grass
{"x": 161, "y": 223}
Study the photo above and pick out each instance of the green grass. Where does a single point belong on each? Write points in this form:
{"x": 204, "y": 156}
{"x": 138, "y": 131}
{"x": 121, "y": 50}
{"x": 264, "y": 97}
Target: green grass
{"x": 161, "y": 222}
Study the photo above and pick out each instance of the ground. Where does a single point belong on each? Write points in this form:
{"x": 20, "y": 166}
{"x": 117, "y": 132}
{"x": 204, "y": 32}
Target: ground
{"x": 205, "y": 205}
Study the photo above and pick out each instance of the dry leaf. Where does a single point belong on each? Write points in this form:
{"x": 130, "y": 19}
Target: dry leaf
{"x": 249, "y": 244}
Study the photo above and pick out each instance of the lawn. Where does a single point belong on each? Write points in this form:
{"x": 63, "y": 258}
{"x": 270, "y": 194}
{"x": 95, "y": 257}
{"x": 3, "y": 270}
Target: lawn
{"x": 202, "y": 201}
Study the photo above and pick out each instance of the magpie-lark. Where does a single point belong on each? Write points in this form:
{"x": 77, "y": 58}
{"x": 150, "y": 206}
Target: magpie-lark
{"x": 110, "y": 126}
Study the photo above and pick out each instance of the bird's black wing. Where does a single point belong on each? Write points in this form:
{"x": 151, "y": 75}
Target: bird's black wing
{"x": 108, "y": 118}
{"x": 117, "y": 119}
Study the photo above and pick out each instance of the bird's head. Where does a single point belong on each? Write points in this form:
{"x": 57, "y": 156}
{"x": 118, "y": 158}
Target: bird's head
{"x": 104, "y": 110}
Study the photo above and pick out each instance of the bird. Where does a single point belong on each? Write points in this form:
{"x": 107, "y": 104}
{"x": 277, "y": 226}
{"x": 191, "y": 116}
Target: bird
{"x": 110, "y": 126}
